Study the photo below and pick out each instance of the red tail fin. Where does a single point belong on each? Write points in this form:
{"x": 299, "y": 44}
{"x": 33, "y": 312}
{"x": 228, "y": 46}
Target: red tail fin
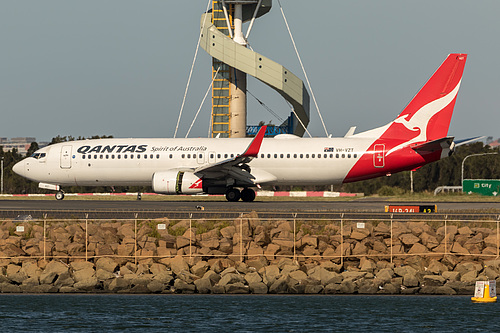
{"x": 427, "y": 117}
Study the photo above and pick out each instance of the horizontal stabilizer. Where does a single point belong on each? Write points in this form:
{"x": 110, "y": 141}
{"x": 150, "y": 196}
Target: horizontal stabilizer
{"x": 467, "y": 141}
{"x": 432, "y": 146}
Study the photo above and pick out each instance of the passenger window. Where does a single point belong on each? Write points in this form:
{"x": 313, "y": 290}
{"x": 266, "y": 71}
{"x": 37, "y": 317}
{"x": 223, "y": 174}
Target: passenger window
{"x": 131, "y": 156}
{"x": 146, "y": 156}
{"x": 348, "y": 155}
{"x": 225, "y": 155}
{"x": 307, "y": 155}
{"x": 182, "y": 156}
{"x": 218, "y": 155}
{"x": 337, "y": 156}
{"x": 312, "y": 156}
{"x": 107, "y": 157}
{"x": 157, "y": 156}
{"x": 275, "y": 155}
{"x": 119, "y": 156}
{"x": 325, "y": 155}
{"x": 261, "y": 155}
{"x": 189, "y": 156}
{"x": 95, "y": 157}
{"x": 355, "y": 155}
{"x": 287, "y": 155}
{"x": 100, "y": 156}
{"x": 294, "y": 155}
{"x": 319, "y": 155}
{"x": 211, "y": 156}
{"x": 281, "y": 155}
{"x": 268, "y": 155}
{"x": 151, "y": 156}
{"x": 343, "y": 155}
{"x": 83, "y": 157}
{"x": 170, "y": 156}
{"x": 138, "y": 156}
{"x": 112, "y": 157}
{"x": 125, "y": 156}
{"x": 301, "y": 155}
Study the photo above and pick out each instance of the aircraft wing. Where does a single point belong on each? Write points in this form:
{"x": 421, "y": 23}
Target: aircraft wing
{"x": 236, "y": 167}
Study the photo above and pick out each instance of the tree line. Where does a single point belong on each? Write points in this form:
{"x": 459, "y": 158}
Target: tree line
{"x": 444, "y": 172}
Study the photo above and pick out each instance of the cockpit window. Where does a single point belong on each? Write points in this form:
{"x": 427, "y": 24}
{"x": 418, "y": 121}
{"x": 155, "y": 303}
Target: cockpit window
{"x": 38, "y": 155}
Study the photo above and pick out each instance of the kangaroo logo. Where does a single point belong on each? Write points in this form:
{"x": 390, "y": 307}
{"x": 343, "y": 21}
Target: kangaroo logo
{"x": 419, "y": 120}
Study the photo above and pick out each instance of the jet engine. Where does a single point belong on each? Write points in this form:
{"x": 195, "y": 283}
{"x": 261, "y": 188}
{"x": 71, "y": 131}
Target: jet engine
{"x": 176, "y": 182}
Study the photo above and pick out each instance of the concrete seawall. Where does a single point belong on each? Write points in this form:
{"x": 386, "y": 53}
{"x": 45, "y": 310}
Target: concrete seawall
{"x": 247, "y": 255}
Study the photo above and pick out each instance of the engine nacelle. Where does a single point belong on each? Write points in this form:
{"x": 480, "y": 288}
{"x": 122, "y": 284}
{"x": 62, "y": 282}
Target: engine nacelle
{"x": 176, "y": 182}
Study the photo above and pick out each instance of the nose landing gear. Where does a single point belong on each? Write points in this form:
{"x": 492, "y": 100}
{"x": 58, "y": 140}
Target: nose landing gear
{"x": 59, "y": 195}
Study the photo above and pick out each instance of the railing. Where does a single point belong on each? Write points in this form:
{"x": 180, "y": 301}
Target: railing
{"x": 248, "y": 237}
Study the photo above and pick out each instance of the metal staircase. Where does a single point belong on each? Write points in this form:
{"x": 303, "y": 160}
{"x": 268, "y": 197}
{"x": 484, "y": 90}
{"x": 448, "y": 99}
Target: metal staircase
{"x": 231, "y": 60}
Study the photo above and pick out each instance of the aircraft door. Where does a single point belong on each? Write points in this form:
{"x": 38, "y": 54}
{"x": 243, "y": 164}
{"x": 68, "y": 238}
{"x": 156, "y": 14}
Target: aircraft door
{"x": 201, "y": 158}
{"x": 379, "y": 156}
{"x": 66, "y": 157}
{"x": 211, "y": 157}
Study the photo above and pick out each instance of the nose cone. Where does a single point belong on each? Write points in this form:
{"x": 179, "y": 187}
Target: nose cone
{"x": 19, "y": 168}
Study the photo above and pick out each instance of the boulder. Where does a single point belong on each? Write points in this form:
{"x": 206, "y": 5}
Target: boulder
{"x": 451, "y": 276}
{"x": 230, "y": 278}
{"x": 182, "y": 287}
{"x": 434, "y": 280}
{"x": 155, "y": 286}
{"x": 178, "y": 264}
{"x": 253, "y": 277}
{"x": 257, "y": 288}
{"x": 118, "y": 284}
{"x": 409, "y": 239}
{"x": 367, "y": 287}
{"x": 203, "y": 286}
{"x": 313, "y": 289}
{"x": 271, "y": 274}
{"x": 103, "y": 275}
{"x": 106, "y": 264}
{"x": 236, "y": 288}
{"x": 86, "y": 284}
{"x": 332, "y": 288}
{"x": 279, "y": 287}
{"x": 200, "y": 268}
{"x": 385, "y": 275}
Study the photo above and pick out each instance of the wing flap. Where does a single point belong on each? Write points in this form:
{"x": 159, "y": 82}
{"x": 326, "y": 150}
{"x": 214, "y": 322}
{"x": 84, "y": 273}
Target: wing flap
{"x": 235, "y": 167}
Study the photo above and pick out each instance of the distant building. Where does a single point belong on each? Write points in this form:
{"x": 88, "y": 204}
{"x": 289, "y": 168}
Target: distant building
{"x": 22, "y": 144}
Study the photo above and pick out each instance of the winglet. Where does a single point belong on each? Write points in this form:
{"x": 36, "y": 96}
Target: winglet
{"x": 254, "y": 147}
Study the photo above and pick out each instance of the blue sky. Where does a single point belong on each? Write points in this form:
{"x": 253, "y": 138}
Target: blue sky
{"x": 120, "y": 67}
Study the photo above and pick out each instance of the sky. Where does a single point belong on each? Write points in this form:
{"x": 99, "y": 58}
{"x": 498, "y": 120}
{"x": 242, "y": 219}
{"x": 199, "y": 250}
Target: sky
{"x": 120, "y": 67}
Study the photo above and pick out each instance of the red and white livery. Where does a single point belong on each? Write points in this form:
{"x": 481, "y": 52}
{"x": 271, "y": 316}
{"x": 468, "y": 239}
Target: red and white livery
{"x": 419, "y": 135}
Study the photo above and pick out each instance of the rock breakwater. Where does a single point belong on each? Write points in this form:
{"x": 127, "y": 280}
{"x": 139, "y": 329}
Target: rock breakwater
{"x": 247, "y": 255}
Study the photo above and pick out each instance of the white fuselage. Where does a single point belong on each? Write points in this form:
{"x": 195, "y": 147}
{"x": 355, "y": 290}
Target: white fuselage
{"x": 285, "y": 159}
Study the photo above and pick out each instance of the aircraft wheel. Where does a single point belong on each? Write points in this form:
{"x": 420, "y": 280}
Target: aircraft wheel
{"x": 59, "y": 195}
{"x": 233, "y": 195}
{"x": 248, "y": 195}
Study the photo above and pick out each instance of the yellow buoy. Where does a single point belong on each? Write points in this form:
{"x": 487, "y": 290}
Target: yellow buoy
{"x": 483, "y": 293}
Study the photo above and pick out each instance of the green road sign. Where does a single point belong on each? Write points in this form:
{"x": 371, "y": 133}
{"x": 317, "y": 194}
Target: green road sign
{"x": 489, "y": 187}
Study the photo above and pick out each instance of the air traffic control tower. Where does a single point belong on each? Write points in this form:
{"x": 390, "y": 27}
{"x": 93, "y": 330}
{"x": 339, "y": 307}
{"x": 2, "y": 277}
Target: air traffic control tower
{"x": 222, "y": 37}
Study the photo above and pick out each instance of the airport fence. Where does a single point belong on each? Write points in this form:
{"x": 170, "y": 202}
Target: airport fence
{"x": 248, "y": 237}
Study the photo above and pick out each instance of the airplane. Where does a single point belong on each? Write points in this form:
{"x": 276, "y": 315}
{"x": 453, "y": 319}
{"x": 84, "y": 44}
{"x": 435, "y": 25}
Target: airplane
{"x": 235, "y": 166}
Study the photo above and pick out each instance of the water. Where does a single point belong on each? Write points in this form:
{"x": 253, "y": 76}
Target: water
{"x": 245, "y": 313}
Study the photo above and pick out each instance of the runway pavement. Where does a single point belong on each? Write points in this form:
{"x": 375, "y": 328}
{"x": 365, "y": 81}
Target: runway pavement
{"x": 186, "y": 208}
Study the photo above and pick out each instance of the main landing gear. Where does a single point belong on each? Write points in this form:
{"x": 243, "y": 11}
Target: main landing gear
{"x": 247, "y": 195}
{"x": 59, "y": 195}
